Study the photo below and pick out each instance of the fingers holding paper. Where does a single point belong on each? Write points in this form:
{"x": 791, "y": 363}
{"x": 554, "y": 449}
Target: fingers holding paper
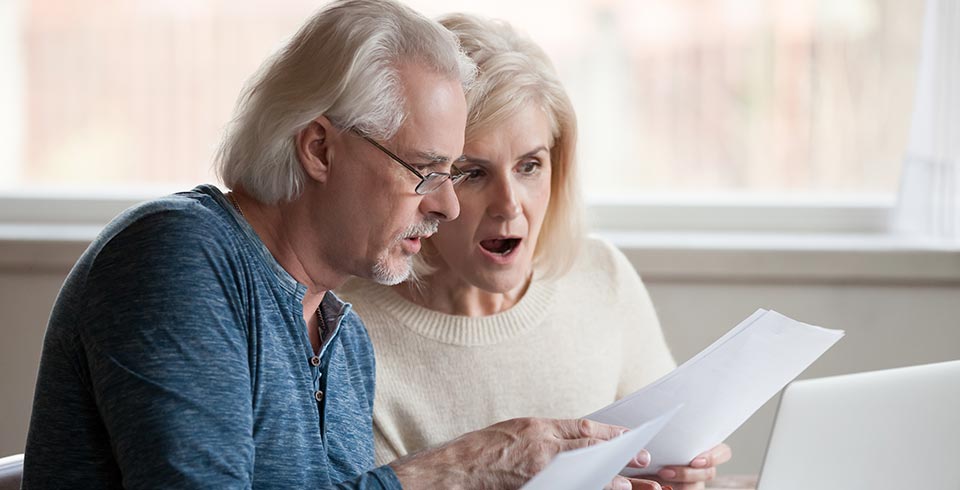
{"x": 576, "y": 429}
{"x": 503, "y": 455}
{"x": 702, "y": 468}
{"x": 622, "y": 483}
{"x": 713, "y": 457}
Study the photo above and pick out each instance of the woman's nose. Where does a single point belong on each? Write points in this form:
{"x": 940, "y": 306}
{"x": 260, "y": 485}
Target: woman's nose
{"x": 504, "y": 202}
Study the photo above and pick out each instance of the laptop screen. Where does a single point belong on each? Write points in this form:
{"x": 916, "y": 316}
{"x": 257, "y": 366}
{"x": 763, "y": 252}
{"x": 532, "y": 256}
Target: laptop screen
{"x": 891, "y": 429}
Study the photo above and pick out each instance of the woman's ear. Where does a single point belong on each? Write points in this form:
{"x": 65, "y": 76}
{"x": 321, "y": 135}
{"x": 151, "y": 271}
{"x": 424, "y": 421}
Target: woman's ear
{"x": 315, "y": 149}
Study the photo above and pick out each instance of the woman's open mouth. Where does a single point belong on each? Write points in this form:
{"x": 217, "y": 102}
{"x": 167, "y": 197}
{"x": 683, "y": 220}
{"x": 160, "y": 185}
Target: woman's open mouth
{"x": 500, "y": 249}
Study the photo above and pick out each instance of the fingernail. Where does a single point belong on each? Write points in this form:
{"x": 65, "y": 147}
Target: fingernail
{"x": 622, "y": 485}
{"x": 667, "y": 473}
{"x": 699, "y": 463}
{"x": 643, "y": 459}
{"x": 666, "y": 487}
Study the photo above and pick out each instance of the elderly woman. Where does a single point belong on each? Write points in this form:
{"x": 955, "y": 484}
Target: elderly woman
{"x": 515, "y": 312}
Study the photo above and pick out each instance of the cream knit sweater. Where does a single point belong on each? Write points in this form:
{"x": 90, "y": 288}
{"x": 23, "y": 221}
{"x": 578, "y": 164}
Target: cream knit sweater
{"x": 567, "y": 348}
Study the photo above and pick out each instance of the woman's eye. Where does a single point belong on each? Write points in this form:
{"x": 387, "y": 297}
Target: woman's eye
{"x": 530, "y": 167}
{"x": 473, "y": 173}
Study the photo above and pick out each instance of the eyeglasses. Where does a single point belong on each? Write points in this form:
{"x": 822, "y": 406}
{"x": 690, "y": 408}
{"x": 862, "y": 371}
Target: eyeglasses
{"x": 428, "y": 183}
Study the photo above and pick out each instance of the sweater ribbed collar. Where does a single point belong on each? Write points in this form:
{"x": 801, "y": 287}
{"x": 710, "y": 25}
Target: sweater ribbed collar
{"x": 463, "y": 330}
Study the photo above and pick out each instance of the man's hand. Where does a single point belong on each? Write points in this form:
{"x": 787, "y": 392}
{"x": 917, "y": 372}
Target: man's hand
{"x": 504, "y": 455}
{"x": 702, "y": 469}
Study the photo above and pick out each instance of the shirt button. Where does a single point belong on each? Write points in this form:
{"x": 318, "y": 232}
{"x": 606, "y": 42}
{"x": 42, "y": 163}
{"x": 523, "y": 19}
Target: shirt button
{"x": 318, "y": 395}
{"x": 315, "y": 361}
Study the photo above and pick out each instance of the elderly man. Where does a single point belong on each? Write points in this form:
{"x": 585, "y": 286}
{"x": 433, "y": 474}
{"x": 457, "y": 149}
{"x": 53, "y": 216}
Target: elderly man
{"x": 195, "y": 343}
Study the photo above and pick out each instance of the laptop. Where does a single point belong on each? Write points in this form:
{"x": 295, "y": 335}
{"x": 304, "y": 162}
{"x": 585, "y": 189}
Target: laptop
{"x": 881, "y": 430}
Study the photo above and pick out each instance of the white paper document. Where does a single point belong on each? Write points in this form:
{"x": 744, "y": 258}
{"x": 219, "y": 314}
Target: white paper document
{"x": 721, "y": 387}
{"x": 591, "y": 468}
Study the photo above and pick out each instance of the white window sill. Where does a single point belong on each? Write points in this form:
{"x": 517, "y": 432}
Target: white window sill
{"x": 43, "y": 248}
{"x": 789, "y": 257}
{"x": 658, "y": 256}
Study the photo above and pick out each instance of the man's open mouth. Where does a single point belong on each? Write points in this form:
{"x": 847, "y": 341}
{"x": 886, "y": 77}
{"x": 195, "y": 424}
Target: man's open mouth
{"x": 500, "y": 246}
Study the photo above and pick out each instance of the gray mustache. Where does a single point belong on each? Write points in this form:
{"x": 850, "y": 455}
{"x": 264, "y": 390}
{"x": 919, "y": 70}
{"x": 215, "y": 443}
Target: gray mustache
{"x": 428, "y": 227}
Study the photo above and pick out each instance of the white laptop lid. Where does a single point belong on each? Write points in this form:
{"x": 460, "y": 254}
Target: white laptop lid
{"x": 891, "y": 429}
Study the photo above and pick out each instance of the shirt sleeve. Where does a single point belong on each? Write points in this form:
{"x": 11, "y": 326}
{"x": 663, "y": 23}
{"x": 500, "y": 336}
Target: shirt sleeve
{"x": 167, "y": 350}
{"x": 382, "y": 478}
{"x": 159, "y": 350}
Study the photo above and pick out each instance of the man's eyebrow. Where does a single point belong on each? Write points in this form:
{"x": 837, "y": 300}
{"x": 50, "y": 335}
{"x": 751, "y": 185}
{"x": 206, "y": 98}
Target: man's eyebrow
{"x": 474, "y": 160}
{"x": 431, "y": 157}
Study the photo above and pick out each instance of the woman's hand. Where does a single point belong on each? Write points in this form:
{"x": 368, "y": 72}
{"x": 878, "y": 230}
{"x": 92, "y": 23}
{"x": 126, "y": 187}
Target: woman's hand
{"x": 702, "y": 469}
{"x": 621, "y": 483}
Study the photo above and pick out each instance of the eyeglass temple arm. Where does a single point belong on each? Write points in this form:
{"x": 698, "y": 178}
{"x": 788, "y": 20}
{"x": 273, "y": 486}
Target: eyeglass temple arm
{"x": 391, "y": 155}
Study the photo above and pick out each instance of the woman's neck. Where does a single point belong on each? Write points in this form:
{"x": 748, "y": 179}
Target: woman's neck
{"x": 453, "y": 296}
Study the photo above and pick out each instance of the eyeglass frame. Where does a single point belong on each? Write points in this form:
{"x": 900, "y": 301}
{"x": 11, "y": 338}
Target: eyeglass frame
{"x": 455, "y": 176}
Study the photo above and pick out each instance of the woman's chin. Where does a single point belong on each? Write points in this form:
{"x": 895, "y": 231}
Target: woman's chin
{"x": 502, "y": 282}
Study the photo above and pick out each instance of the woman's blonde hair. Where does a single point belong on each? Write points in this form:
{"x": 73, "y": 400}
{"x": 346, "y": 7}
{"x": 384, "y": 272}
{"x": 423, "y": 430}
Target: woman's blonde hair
{"x": 341, "y": 64}
{"x": 512, "y": 74}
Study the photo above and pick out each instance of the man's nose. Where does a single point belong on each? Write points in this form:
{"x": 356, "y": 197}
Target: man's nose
{"x": 442, "y": 203}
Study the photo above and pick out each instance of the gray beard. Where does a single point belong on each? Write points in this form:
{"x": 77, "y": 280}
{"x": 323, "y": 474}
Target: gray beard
{"x": 383, "y": 275}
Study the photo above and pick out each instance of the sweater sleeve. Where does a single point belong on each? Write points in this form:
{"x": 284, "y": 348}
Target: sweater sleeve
{"x": 646, "y": 355}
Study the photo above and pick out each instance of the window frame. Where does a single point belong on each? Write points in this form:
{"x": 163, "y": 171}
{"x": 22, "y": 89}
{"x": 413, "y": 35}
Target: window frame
{"x": 861, "y": 213}
{"x": 668, "y": 240}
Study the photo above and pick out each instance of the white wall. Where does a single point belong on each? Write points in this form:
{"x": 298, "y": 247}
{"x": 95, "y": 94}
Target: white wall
{"x": 887, "y": 326}
{"x": 11, "y": 90}
{"x": 25, "y": 300}
{"x": 891, "y": 320}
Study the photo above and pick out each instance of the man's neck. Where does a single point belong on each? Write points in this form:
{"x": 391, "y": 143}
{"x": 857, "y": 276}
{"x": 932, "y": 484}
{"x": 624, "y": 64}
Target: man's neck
{"x": 288, "y": 233}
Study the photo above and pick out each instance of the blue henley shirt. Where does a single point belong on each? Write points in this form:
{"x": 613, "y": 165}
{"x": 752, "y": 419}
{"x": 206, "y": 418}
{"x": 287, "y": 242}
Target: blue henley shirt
{"x": 176, "y": 356}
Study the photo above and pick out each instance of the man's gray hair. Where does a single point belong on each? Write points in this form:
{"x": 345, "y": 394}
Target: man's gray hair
{"x": 342, "y": 64}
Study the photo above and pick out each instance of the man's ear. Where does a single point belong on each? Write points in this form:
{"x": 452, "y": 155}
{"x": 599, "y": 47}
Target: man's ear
{"x": 315, "y": 148}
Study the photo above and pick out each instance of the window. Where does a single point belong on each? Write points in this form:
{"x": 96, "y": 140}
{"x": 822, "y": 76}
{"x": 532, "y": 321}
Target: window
{"x": 769, "y": 97}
